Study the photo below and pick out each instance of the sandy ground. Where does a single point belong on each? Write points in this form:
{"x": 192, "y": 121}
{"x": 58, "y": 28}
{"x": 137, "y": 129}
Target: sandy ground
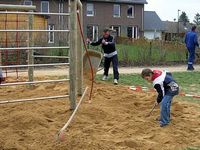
{"x": 116, "y": 119}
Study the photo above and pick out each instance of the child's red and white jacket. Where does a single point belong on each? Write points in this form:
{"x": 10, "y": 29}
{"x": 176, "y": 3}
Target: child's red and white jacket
{"x": 164, "y": 84}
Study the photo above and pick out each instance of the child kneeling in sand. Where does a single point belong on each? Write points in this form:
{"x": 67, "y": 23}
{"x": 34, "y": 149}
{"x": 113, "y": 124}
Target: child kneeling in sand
{"x": 166, "y": 87}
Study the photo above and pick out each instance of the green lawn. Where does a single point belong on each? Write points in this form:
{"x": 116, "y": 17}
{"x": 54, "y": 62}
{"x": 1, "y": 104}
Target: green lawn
{"x": 189, "y": 82}
{"x": 141, "y": 53}
{"x": 193, "y": 148}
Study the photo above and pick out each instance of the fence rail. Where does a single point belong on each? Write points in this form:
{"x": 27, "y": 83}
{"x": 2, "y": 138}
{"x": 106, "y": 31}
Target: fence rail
{"x": 34, "y": 82}
{"x": 34, "y": 30}
{"x": 35, "y": 48}
{"x": 34, "y": 99}
{"x": 43, "y": 56}
{"x": 34, "y": 13}
{"x": 73, "y": 44}
{"x": 34, "y": 65}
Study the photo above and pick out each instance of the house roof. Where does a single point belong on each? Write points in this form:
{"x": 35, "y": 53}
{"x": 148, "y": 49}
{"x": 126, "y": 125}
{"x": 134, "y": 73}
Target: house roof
{"x": 152, "y": 21}
{"x": 121, "y": 1}
{"x": 172, "y": 27}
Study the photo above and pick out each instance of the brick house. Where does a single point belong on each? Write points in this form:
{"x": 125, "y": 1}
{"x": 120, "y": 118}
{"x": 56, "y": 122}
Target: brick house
{"x": 126, "y": 17}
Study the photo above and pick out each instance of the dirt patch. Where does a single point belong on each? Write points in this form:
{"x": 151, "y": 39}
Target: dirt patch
{"x": 114, "y": 120}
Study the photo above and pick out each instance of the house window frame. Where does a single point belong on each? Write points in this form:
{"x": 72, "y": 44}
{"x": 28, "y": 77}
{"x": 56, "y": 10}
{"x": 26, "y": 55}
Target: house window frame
{"x": 51, "y": 27}
{"x": 30, "y": 1}
{"x": 133, "y": 11}
{"x": 42, "y": 2}
{"x": 94, "y": 28}
{"x": 114, "y": 15}
{"x": 134, "y": 32}
{"x": 119, "y": 31}
{"x": 87, "y": 5}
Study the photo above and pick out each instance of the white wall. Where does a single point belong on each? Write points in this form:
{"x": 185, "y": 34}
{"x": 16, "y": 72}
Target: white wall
{"x": 152, "y": 35}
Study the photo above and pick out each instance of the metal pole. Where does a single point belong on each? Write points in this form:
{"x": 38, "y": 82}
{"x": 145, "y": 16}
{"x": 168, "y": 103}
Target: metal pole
{"x": 34, "y": 13}
{"x": 80, "y": 58}
{"x": 73, "y": 51}
{"x": 43, "y": 48}
{"x": 34, "y": 99}
{"x": 178, "y": 25}
{"x": 34, "y": 30}
{"x": 34, "y": 65}
{"x": 30, "y": 52}
{"x": 34, "y": 82}
{"x": 17, "y": 7}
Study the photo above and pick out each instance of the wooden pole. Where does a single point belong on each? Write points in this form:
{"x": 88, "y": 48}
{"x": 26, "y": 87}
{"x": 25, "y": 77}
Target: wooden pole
{"x": 30, "y": 51}
{"x": 73, "y": 52}
{"x": 80, "y": 58}
{"x": 1, "y": 72}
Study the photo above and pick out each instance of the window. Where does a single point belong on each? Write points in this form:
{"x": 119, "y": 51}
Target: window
{"x": 117, "y": 30}
{"x": 28, "y": 2}
{"x": 92, "y": 32}
{"x": 45, "y": 6}
{"x": 51, "y": 34}
{"x": 90, "y": 9}
{"x": 130, "y": 11}
{"x": 116, "y": 10}
{"x": 132, "y": 32}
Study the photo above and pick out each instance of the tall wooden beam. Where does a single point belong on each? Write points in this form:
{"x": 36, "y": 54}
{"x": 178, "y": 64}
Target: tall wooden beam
{"x": 80, "y": 56}
{"x": 73, "y": 52}
{"x": 30, "y": 51}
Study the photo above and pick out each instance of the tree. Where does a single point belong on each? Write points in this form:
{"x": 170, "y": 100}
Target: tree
{"x": 197, "y": 19}
{"x": 183, "y": 18}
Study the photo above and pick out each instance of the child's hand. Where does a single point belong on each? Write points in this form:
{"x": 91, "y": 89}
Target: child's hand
{"x": 88, "y": 41}
{"x": 156, "y": 103}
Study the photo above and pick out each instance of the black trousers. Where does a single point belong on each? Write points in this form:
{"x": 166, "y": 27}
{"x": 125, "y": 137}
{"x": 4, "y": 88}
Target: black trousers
{"x": 114, "y": 61}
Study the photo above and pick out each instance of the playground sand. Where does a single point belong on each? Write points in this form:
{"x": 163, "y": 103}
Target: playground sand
{"x": 114, "y": 120}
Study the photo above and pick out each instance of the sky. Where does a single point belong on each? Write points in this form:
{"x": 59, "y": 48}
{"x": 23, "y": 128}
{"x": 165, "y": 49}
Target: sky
{"x": 168, "y": 9}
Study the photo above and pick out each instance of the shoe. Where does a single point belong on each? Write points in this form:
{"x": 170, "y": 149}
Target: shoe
{"x": 163, "y": 125}
{"x": 190, "y": 68}
{"x": 115, "y": 81}
{"x": 105, "y": 78}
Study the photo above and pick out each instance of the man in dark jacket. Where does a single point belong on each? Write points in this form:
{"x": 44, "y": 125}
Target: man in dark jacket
{"x": 191, "y": 41}
{"x": 110, "y": 54}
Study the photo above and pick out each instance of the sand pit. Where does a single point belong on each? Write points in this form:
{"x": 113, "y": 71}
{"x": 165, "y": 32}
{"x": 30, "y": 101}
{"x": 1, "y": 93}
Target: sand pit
{"x": 114, "y": 120}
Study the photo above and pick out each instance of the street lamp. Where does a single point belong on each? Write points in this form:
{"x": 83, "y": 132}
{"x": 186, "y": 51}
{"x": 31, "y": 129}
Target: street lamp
{"x": 178, "y": 22}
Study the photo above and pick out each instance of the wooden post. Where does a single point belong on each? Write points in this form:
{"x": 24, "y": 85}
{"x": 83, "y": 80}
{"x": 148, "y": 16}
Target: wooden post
{"x": 73, "y": 52}
{"x": 1, "y": 72}
{"x": 30, "y": 51}
{"x": 80, "y": 58}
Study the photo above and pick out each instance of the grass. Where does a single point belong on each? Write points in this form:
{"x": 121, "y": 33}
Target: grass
{"x": 193, "y": 148}
{"x": 189, "y": 82}
{"x": 143, "y": 52}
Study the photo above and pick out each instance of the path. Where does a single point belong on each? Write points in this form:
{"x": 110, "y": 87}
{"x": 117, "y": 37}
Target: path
{"x": 123, "y": 70}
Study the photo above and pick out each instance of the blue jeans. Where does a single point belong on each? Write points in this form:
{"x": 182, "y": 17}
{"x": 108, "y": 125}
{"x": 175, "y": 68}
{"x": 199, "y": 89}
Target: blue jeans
{"x": 191, "y": 57}
{"x": 165, "y": 110}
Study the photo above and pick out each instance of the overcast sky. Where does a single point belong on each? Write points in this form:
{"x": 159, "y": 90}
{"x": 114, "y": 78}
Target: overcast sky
{"x": 168, "y": 9}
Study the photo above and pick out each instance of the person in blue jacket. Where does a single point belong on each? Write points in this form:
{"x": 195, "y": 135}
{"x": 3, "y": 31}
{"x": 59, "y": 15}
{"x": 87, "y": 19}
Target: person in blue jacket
{"x": 191, "y": 41}
{"x": 110, "y": 54}
{"x": 166, "y": 88}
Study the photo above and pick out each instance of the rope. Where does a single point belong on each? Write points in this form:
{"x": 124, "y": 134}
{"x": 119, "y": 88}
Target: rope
{"x": 61, "y": 132}
{"x": 86, "y": 50}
